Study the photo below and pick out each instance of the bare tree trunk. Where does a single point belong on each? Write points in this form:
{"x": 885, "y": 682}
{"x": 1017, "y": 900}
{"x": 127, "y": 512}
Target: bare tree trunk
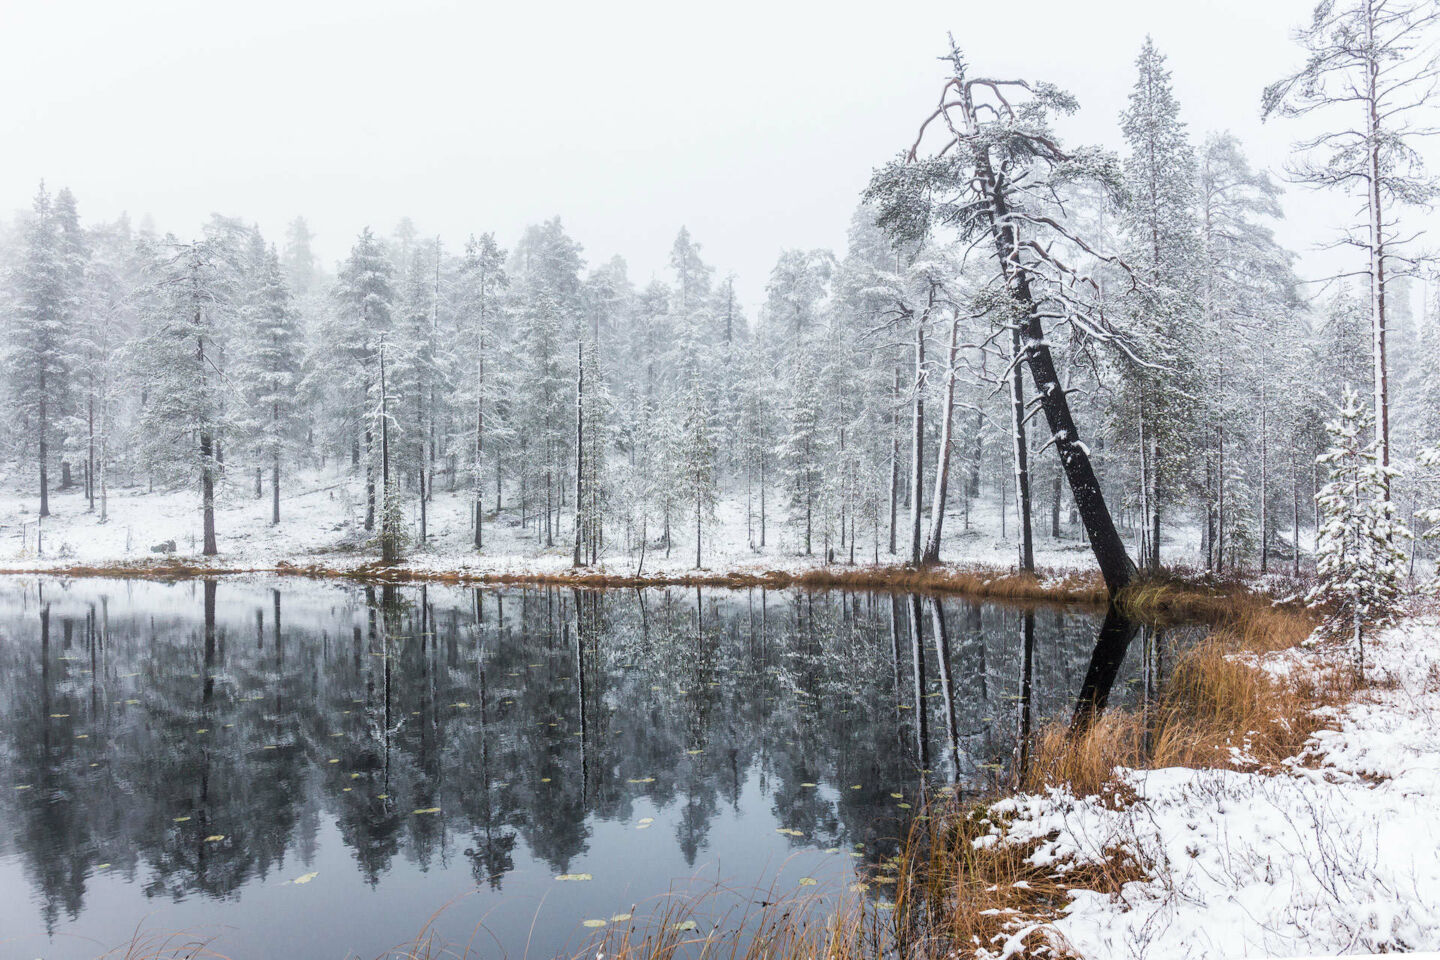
{"x": 1373, "y": 145}
{"x": 1295, "y": 509}
{"x": 479, "y": 480}
{"x": 894, "y": 454}
{"x": 1022, "y": 466}
{"x": 942, "y": 458}
{"x": 917, "y": 440}
{"x": 90, "y": 445}
{"x": 44, "y": 449}
{"x": 207, "y": 494}
{"x": 579, "y": 556}
{"x": 1115, "y": 564}
{"x": 1264, "y": 475}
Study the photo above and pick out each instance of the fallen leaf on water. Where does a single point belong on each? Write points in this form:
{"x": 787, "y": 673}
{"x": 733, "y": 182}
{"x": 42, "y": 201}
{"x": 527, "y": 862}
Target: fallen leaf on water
{"x": 807, "y": 785}
{"x": 903, "y": 806}
{"x": 306, "y": 877}
{"x": 428, "y": 810}
{"x": 102, "y": 866}
{"x": 23, "y": 786}
{"x": 646, "y": 821}
{"x": 461, "y": 705}
{"x": 574, "y": 877}
{"x": 694, "y": 752}
{"x": 203, "y": 730}
{"x": 333, "y": 760}
{"x": 594, "y": 923}
{"x": 808, "y": 881}
{"x": 858, "y": 887}
{"x": 544, "y": 779}
{"x": 683, "y": 925}
{"x": 642, "y": 780}
{"x": 898, "y": 796}
{"x": 58, "y": 716}
{"x": 181, "y": 819}
{"x": 215, "y": 838}
{"x": 789, "y": 832}
{"x": 620, "y": 918}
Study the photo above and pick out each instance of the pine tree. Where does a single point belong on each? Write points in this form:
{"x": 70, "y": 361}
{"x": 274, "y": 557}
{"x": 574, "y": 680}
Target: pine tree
{"x": 1163, "y": 249}
{"x": 363, "y": 298}
{"x": 1378, "y": 59}
{"x": 181, "y": 363}
{"x": 37, "y": 354}
{"x": 694, "y": 453}
{"x": 270, "y": 368}
{"x": 1359, "y": 560}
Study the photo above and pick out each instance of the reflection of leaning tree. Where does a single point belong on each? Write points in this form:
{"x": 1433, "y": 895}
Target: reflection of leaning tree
{"x": 996, "y": 178}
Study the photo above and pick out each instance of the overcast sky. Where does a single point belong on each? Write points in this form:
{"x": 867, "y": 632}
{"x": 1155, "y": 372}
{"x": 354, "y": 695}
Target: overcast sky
{"x": 755, "y": 124}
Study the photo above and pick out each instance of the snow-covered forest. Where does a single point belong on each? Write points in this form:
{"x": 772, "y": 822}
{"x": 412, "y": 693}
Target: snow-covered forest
{"x": 878, "y": 401}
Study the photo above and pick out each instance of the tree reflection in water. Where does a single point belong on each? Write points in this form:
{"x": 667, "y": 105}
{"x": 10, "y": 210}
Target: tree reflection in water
{"x": 422, "y": 741}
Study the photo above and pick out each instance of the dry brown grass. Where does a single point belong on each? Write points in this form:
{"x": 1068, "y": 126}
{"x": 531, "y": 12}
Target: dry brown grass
{"x": 1216, "y": 709}
{"x": 1045, "y": 586}
{"x": 975, "y": 581}
{"x": 953, "y": 896}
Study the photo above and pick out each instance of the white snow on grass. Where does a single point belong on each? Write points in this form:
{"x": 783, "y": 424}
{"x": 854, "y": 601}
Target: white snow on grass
{"x": 1338, "y": 854}
{"x": 322, "y": 522}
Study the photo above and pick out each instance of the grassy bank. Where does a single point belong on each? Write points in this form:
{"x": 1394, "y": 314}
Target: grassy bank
{"x": 1043, "y": 586}
{"x": 1217, "y": 709}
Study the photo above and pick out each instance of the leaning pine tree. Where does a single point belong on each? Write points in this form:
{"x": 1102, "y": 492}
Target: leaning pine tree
{"x": 1359, "y": 559}
{"x": 993, "y": 178}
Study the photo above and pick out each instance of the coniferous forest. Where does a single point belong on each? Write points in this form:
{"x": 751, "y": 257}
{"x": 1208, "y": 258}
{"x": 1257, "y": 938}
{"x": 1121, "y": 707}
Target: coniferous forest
{"x": 1049, "y": 340}
{"x": 777, "y": 494}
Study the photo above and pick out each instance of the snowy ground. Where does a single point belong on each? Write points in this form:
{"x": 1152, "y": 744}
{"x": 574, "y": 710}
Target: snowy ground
{"x": 1340, "y": 854}
{"x": 322, "y": 517}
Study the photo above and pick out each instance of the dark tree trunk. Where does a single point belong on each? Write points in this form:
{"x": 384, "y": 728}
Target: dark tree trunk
{"x": 1115, "y": 564}
{"x": 207, "y": 494}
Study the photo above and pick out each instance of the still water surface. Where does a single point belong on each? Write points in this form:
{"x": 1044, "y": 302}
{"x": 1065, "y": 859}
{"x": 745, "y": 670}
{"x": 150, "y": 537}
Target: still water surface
{"x": 305, "y": 769}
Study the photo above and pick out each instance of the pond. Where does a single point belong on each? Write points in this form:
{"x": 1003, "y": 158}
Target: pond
{"x": 312, "y": 769}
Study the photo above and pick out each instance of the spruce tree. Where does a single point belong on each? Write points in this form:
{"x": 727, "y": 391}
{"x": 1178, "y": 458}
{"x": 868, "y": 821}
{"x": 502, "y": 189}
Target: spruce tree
{"x": 37, "y": 352}
{"x": 1359, "y": 560}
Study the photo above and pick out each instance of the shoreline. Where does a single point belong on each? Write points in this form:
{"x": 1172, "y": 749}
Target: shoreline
{"x": 1069, "y": 586}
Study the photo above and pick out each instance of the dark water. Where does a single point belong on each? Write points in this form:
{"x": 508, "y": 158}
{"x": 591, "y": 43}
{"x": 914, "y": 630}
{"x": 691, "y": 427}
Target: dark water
{"x": 311, "y": 770}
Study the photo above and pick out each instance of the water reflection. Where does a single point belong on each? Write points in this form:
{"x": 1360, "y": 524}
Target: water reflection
{"x": 206, "y": 748}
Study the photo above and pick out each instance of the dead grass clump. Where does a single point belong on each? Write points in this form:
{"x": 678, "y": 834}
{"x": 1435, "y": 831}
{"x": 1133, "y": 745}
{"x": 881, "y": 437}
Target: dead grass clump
{"x": 958, "y": 890}
{"x": 1216, "y": 710}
